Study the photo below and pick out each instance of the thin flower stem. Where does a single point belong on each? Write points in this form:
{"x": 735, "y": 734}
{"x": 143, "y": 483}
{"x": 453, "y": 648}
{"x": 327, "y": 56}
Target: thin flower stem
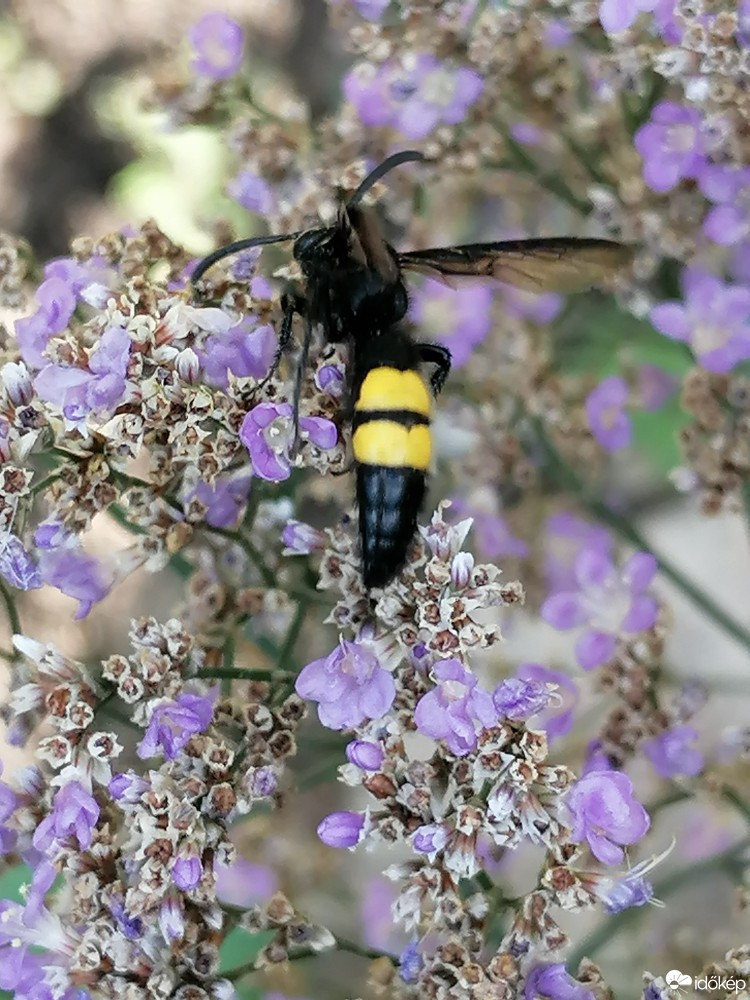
{"x": 342, "y": 944}
{"x": 292, "y": 635}
{"x": 47, "y": 481}
{"x": 240, "y": 538}
{"x": 520, "y": 160}
{"x": 734, "y": 799}
{"x": 228, "y": 657}
{"x": 239, "y": 674}
{"x": 686, "y": 875}
{"x": 627, "y": 531}
{"x": 11, "y": 610}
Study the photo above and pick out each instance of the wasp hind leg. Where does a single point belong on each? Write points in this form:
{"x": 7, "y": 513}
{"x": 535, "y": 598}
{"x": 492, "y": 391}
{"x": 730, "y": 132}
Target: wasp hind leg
{"x": 436, "y": 354}
{"x": 292, "y": 305}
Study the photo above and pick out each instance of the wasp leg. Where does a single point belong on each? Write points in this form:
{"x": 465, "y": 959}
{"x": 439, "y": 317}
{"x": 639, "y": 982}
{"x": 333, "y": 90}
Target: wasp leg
{"x": 299, "y": 375}
{"x": 291, "y": 304}
{"x": 436, "y": 354}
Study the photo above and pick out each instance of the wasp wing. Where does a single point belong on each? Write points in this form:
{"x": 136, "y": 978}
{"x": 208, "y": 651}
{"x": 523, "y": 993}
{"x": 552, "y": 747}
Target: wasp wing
{"x": 556, "y": 264}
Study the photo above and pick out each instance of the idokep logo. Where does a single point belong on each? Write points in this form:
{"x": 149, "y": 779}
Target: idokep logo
{"x": 679, "y": 981}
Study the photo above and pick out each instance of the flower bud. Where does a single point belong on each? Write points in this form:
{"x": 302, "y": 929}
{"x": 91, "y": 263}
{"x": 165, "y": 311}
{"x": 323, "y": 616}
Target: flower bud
{"x": 341, "y": 829}
{"x": 365, "y": 755}
{"x": 301, "y": 539}
{"x": 461, "y": 567}
{"x": 17, "y": 382}
{"x": 188, "y": 366}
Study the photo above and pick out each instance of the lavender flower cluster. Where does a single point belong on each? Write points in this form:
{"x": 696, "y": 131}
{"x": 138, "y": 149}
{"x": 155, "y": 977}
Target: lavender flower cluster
{"x": 498, "y": 806}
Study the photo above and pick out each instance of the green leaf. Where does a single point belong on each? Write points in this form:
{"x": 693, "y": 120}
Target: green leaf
{"x": 240, "y": 947}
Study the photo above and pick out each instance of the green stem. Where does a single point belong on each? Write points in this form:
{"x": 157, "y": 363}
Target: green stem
{"x": 178, "y": 562}
{"x": 241, "y": 539}
{"x": 552, "y": 182}
{"x": 687, "y": 875}
{"x": 342, "y": 944}
{"x": 228, "y": 656}
{"x": 47, "y": 481}
{"x": 11, "y": 610}
{"x": 290, "y": 640}
{"x": 734, "y": 799}
{"x": 239, "y": 674}
{"x": 627, "y": 531}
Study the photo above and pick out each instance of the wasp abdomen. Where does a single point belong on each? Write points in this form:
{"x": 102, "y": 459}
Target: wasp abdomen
{"x": 392, "y": 447}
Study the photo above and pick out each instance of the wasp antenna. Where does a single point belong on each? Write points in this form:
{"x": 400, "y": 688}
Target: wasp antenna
{"x": 405, "y": 156}
{"x": 230, "y": 248}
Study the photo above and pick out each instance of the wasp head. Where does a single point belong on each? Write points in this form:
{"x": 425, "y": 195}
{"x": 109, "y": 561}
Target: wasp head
{"x": 316, "y": 249}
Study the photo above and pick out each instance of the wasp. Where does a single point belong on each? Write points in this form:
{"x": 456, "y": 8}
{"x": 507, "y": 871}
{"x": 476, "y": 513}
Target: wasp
{"x": 354, "y": 292}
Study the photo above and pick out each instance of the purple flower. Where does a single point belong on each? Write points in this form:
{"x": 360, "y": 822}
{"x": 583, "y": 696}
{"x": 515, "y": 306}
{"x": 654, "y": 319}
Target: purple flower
{"x": 610, "y": 603}
{"x": 378, "y": 927}
{"x": 78, "y": 391}
{"x": 341, "y": 829}
{"x": 16, "y": 564}
{"x": 655, "y": 387}
{"x": 172, "y": 724}
{"x": 76, "y": 574}
{"x": 366, "y": 755}
{"x": 414, "y": 97}
{"x": 252, "y": 192}
{"x": 552, "y": 982}
{"x": 330, "y": 379}
{"x": 301, "y": 539}
{"x": 8, "y": 803}
{"x": 632, "y": 890}
{"x": 56, "y": 303}
{"x": 187, "y": 872}
{"x": 458, "y": 317}
{"x": 217, "y": 43}
{"x": 515, "y": 698}
{"x": 714, "y": 319}
{"x": 430, "y": 838}
{"x": 245, "y": 884}
{"x": 491, "y": 530}
{"x": 605, "y": 411}
{"x": 246, "y": 350}
{"x": 74, "y": 814}
{"x": 672, "y": 145}
{"x": 128, "y": 787}
{"x": 728, "y": 223}
{"x": 539, "y": 308}
{"x": 371, "y": 10}
{"x": 42, "y": 881}
{"x": 172, "y": 919}
{"x": 618, "y": 15}
{"x": 605, "y": 814}
{"x": 349, "y": 685}
{"x": 131, "y": 927}
{"x": 266, "y": 433}
{"x": 670, "y": 754}
{"x": 224, "y": 500}
{"x": 557, "y": 720}
{"x": 566, "y": 535}
{"x": 410, "y": 963}
{"x": 455, "y": 709}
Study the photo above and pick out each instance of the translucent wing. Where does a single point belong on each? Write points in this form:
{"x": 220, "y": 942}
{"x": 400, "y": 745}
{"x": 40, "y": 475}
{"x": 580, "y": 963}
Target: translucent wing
{"x": 557, "y": 264}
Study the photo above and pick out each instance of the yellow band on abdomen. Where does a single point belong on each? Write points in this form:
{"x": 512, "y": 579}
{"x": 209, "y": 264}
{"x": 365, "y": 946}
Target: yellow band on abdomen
{"x": 385, "y": 442}
{"x": 392, "y": 389}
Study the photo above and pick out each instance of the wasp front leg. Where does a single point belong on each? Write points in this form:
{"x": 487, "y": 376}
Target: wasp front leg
{"x": 436, "y": 354}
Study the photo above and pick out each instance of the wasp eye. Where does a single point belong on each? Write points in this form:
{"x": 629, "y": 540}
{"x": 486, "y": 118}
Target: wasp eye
{"x": 309, "y": 244}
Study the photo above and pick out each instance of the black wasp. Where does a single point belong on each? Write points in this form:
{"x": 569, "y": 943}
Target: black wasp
{"x": 354, "y": 292}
